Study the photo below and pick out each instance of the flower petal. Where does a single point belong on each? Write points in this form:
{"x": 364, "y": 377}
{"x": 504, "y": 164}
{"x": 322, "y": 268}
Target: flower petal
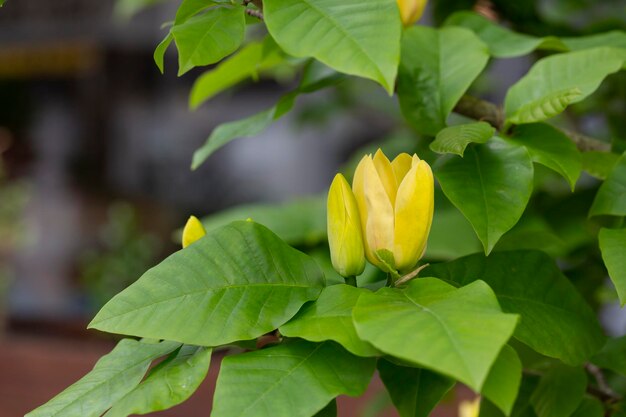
{"x": 401, "y": 165}
{"x": 193, "y": 231}
{"x": 379, "y": 226}
{"x": 386, "y": 175}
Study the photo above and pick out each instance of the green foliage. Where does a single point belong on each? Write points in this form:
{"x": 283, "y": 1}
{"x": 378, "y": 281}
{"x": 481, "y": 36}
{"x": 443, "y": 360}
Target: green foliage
{"x": 559, "y": 392}
{"x": 611, "y": 197}
{"x": 437, "y": 68}
{"x": 612, "y": 355}
{"x": 599, "y": 164}
{"x": 503, "y": 382}
{"x": 613, "y": 246}
{"x": 455, "y": 139}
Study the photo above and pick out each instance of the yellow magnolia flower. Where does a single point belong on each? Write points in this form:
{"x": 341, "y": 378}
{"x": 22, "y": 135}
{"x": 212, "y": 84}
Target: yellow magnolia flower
{"x": 344, "y": 229}
{"x": 193, "y": 231}
{"x": 469, "y": 408}
{"x": 411, "y": 10}
{"x": 396, "y": 202}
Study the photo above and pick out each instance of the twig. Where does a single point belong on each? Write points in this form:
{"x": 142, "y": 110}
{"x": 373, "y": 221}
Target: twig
{"x": 406, "y": 278}
{"x": 255, "y": 13}
{"x": 603, "y": 391}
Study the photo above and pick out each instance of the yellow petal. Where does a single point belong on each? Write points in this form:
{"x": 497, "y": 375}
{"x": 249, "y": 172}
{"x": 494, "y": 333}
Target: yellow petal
{"x": 386, "y": 175}
{"x": 411, "y": 10}
{"x": 344, "y": 229}
{"x": 401, "y": 165}
{"x": 358, "y": 188}
{"x": 413, "y": 215}
{"x": 193, "y": 231}
{"x": 380, "y": 217}
{"x": 469, "y": 408}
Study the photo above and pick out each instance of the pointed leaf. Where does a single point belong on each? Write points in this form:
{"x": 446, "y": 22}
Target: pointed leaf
{"x": 503, "y": 382}
{"x": 613, "y": 247}
{"x": 330, "y": 318}
{"x": 560, "y": 392}
{"x": 414, "y": 391}
{"x": 549, "y": 146}
{"x": 168, "y": 384}
{"x": 356, "y": 37}
{"x": 437, "y": 67}
{"x": 159, "y": 52}
{"x": 388, "y": 319}
{"x": 555, "y": 320}
{"x": 454, "y": 139}
{"x": 236, "y": 283}
{"x": 491, "y": 186}
{"x": 545, "y": 107}
{"x": 114, "y": 375}
{"x": 611, "y": 197}
{"x": 293, "y": 379}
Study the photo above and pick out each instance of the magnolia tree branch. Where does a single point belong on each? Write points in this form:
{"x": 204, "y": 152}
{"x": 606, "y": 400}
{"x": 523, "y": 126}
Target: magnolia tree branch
{"x": 478, "y": 109}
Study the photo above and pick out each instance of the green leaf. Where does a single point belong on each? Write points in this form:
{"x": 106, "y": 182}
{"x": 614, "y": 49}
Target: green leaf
{"x": 114, "y": 375}
{"x": 190, "y": 8}
{"x": 560, "y": 392}
{"x": 237, "y": 283}
{"x": 491, "y": 186}
{"x": 555, "y": 320}
{"x": 615, "y": 38}
{"x": 330, "y": 318}
{"x": 437, "y": 67}
{"x": 522, "y": 407}
{"x": 461, "y": 331}
{"x": 356, "y": 37}
{"x": 549, "y": 146}
{"x": 159, "y": 52}
{"x": 451, "y": 235}
{"x": 613, "y": 247}
{"x": 599, "y": 164}
{"x": 168, "y": 384}
{"x": 414, "y": 391}
{"x": 209, "y": 37}
{"x": 248, "y": 62}
{"x": 558, "y": 80}
{"x": 293, "y": 379}
{"x": 300, "y": 221}
{"x": 590, "y": 407}
{"x": 611, "y": 197}
{"x": 504, "y": 380}
{"x": 502, "y": 42}
{"x": 454, "y": 139}
{"x": 612, "y": 356}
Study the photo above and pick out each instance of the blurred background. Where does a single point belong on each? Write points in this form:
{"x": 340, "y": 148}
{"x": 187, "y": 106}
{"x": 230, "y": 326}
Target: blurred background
{"x": 95, "y": 149}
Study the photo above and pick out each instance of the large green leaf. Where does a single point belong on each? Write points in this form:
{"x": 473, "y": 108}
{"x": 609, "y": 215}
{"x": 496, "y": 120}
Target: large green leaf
{"x": 330, "y": 318}
{"x": 298, "y": 222}
{"x": 437, "y": 67}
{"x": 248, "y": 62}
{"x": 461, "y": 331}
{"x": 209, "y": 37}
{"x": 113, "y": 376}
{"x": 293, "y": 379}
{"x": 491, "y": 186}
{"x": 504, "y": 380}
{"x": 549, "y": 146}
{"x": 613, "y": 247}
{"x": 502, "y": 42}
{"x": 599, "y": 164}
{"x": 454, "y": 139}
{"x": 236, "y": 283}
{"x": 555, "y": 320}
{"x": 612, "y": 355}
{"x": 616, "y": 38}
{"x": 357, "y": 37}
{"x": 558, "y": 80}
{"x": 413, "y": 391}
{"x": 611, "y": 197}
{"x": 168, "y": 384}
{"x": 560, "y": 392}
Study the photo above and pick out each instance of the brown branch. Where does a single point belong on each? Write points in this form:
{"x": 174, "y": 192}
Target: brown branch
{"x": 478, "y": 109}
{"x": 603, "y": 391}
{"x": 255, "y": 13}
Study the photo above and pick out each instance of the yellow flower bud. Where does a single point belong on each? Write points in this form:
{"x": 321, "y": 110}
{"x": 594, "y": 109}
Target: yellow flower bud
{"x": 193, "y": 231}
{"x": 411, "y": 10}
{"x": 344, "y": 229}
{"x": 396, "y": 202}
{"x": 469, "y": 408}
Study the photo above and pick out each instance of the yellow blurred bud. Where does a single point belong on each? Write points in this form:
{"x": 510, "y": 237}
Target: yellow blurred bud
{"x": 395, "y": 202}
{"x": 193, "y": 231}
{"x": 411, "y": 10}
{"x": 344, "y": 229}
{"x": 469, "y": 408}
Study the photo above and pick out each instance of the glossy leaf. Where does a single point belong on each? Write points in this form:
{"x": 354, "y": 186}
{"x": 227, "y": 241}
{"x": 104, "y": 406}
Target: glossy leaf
{"x": 613, "y": 247}
{"x": 414, "y": 391}
{"x": 168, "y": 384}
{"x": 356, "y": 37}
{"x": 209, "y": 37}
{"x": 330, "y": 318}
{"x": 599, "y": 164}
{"x": 461, "y": 331}
{"x": 454, "y": 139}
{"x": 113, "y": 376}
{"x": 159, "y": 52}
{"x": 490, "y": 185}
{"x": 558, "y": 80}
{"x": 293, "y": 379}
{"x": 549, "y": 146}
{"x": 437, "y": 68}
{"x": 503, "y": 382}
{"x": 237, "y": 283}
{"x": 611, "y": 197}
{"x": 613, "y": 355}
{"x": 502, "y": 42}
{"x": 560, "y": 392}
{"x": 555, "y": 319}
